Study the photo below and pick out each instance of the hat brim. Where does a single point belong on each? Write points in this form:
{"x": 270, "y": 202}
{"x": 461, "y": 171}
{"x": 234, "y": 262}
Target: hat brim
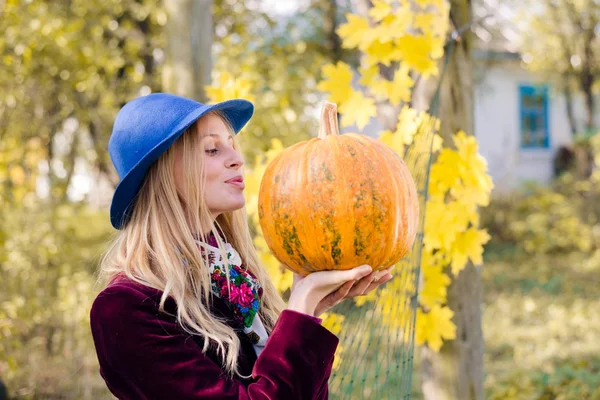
{"x": 238, "y": 112}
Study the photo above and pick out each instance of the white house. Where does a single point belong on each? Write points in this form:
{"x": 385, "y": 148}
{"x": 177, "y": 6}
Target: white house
{"x": 520, "y": 120}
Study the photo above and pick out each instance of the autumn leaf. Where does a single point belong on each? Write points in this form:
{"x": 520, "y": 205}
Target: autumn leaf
{"x": 379, "y": 52}
{"x": 435, "y": 284}
{"x": 337, "y": 82}
{"x": 416, "y": 51}
{"x": 434, "y": 326}
{"x": 379, "y": 10}
{"x": 357, "y": 110}
{"x": 395, "y": 25}
{"x": 368, "y": 75}
{"x": 397, "y": 33}
{"x": 355, "y": 33}
{"x": 227, "y": 87}
{"x": 400, "y": 87}
{"x": 468, "y": 245}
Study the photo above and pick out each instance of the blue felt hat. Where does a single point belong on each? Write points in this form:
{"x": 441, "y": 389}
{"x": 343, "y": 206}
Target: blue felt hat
{"x": 145, "y": 128}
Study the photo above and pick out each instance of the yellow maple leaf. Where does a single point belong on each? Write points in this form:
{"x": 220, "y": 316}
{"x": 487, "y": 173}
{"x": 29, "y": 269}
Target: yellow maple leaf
{"x": 475, "y": 166}
{"x": 337, "y": 82}
{"x": 380, "y": 52}
{"x": 434, "y": 326}
{"x": 408, "y": 123}
{"x": 379, "y": 10}
{"x": 368, "y": 75}
{"x": 399, "y": 89}
{"x": 435, "y": 284}
{"x": 468, "y": 245}
{"x": 228, "y": 88}
{"x": 439, "y": 214}
{"x": 424, "y": 21}
{"x": 393, "y": 141}
{"x": 379, "y": 88}
{"x": 416, "y": 51}
{"x": 356, "y": 32}
{"x": 253, "y": 177}
{"x": 357, "y": 110}
{"x": 396, "y": 24}
{"x": 433, "y": 260}
{"x": 445, "y": 173}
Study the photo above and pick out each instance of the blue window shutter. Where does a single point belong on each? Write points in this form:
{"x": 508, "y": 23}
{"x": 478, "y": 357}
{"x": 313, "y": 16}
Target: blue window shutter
{"x": 534, "y": 120}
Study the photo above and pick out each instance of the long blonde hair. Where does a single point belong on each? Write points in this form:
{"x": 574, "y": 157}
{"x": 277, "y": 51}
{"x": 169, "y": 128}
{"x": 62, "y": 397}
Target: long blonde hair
{"x": 157, "y": 248}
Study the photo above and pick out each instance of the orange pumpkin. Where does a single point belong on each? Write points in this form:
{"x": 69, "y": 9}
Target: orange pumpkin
{"x": 337, "y": 202}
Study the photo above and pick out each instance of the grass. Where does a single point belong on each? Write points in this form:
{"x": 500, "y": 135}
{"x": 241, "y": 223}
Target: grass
{"x": 540, "y": 320}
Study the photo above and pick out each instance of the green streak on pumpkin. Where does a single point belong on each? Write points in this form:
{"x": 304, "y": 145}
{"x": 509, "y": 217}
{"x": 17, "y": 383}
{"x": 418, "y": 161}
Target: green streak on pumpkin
{"x": 336, "y": 252}
{"x": 359, "y": 244}
{"x": 291, "y": 242}
{"x": 360, "y": 197}
{"x": 379, "y": 217}
{"x": 351, "y": 150}
{"x": 327, "y": 172}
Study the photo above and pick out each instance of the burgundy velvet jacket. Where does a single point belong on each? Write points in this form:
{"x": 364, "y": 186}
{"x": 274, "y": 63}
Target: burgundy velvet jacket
{"x": 144, "y": 354}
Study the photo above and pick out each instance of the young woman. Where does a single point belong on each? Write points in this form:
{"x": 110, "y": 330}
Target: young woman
{"x": 187, "y": 311}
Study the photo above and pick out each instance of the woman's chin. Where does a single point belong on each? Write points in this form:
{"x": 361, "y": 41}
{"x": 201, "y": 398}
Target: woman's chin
{"x": 234, "y": 205}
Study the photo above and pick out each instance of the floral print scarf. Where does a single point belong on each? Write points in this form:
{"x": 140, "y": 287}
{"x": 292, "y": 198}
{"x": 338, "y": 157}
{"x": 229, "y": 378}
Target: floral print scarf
{"x": 244, "y": 293}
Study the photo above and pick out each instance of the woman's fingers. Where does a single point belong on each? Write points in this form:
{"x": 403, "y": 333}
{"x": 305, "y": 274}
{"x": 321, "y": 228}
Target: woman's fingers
{"x": 334, "y": 298}
{"x": 339, "y": 277}
{"x": 362, "y": 285}
{"x": 369, "y": 283}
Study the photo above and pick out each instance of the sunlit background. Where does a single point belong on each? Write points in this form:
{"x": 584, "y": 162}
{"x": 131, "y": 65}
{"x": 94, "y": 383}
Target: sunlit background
{"x": 530, "y": 76}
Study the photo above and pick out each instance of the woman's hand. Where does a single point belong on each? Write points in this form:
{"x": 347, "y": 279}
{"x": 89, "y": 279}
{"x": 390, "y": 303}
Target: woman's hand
{"x": 319, "y": 291}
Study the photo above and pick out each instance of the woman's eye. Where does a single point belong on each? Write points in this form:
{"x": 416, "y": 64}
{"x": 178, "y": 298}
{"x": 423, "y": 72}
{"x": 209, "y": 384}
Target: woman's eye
{"x": 211, "y": 151}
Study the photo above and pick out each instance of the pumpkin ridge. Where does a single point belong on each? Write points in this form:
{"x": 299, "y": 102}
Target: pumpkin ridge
{"x": 377, "y": 213}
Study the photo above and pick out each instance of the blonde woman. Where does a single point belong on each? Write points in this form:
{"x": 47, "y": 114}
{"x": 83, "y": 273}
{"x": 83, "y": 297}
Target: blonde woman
{"x": 187, "y": 312}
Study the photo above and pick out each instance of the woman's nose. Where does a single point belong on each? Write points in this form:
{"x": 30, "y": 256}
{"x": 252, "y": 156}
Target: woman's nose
{"x": 235, "y": 160}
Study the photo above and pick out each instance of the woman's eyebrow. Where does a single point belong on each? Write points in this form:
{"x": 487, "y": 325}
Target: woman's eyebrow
{"x": 216, "y": 136}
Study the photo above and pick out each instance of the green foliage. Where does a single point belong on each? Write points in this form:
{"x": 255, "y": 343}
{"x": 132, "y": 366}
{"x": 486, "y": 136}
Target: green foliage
{"x": 47, "y": 266}
{"x": 281, "y": 60}
{"x": 542, "y": 287}
{"x": 541, "y": 221}
{"x": 541, "y": 325}
{"x": 559, "y": 218}
{"x": 573, "y": 380}
{"x": 77, "y": 60}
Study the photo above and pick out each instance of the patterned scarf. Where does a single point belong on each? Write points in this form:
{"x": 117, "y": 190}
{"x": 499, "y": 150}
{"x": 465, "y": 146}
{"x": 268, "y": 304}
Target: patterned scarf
{"x": 244, "y": 293}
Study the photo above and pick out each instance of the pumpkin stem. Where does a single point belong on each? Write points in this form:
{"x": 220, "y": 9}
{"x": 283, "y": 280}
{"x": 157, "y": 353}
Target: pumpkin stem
{"x": 329, "y": 120}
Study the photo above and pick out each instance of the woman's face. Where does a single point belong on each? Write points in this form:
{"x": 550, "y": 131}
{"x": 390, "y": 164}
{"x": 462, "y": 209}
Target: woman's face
{"x": 224, "y": 184}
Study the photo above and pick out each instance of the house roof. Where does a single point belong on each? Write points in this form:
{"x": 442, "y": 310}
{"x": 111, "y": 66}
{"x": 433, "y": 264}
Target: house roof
{"x": 495, "y": 29}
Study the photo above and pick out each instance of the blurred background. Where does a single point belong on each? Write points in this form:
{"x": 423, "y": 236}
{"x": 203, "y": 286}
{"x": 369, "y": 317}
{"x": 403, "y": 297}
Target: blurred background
{"x": 67, "y": 66}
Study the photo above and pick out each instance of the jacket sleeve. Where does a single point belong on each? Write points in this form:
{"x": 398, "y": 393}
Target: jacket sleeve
{"x": 142, "y": 356}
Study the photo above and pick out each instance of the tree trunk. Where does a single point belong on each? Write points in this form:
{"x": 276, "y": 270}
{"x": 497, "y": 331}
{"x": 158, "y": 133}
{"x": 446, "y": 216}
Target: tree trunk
{"x": 586, "y": 85}
{"x": 333, "y": 41}
{"x": 588, "y": 78}
{"x": 456, "y": 372}
{"x": 189, "y": 33}
{"x": 569, "y": 105}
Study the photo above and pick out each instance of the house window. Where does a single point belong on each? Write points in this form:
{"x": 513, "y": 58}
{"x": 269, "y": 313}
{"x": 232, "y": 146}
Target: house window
{"x": 533, "y": 101}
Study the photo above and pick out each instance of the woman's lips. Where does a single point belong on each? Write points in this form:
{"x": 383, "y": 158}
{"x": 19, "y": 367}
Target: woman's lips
{"x": 239, "y": 184}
